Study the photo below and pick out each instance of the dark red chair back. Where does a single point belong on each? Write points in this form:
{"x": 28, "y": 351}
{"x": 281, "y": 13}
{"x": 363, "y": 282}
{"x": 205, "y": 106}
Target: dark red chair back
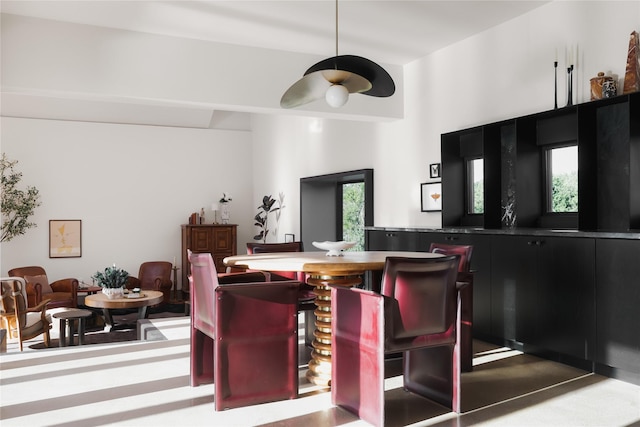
{"x": 249, "y": 362}
{"x": 465, "y": 252}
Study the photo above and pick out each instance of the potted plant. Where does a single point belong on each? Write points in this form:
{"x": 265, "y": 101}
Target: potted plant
{"x": 112, "y": 280}
{"x": 17, "y": 205}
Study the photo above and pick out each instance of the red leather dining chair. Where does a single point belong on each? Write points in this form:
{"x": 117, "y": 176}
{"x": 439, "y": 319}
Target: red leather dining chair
{"x": 466, "y": 295}
{"x": 306, "y": 296}
{"x": 418, "y": 314}
{"x": 249, "y": 362}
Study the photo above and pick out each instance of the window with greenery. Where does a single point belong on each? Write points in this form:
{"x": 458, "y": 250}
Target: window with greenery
{"x": 475, "y": 186}
{"x": 353, "y": 214}
{"x": 561, "y": 174}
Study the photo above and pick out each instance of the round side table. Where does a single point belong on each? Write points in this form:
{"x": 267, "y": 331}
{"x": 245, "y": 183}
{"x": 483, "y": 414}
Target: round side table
{"x": 67, "y": 318}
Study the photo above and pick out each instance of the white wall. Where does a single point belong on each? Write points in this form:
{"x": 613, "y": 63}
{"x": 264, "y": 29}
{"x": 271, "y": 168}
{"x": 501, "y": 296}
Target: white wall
{"x": 132, "y": 186}
{"x": 505, "y": 72}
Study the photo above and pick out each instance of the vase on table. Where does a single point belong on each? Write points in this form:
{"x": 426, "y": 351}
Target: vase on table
{"x": 225, "y": 213}
{"x": 113, "y": 293}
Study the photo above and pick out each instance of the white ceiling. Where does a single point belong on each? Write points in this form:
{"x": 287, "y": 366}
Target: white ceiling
{"x": 386, "y": 32}
{"x": 392, "y": 32}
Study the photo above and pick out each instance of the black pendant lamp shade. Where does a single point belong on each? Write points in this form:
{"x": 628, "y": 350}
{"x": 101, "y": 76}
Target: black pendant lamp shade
{"x": 381, "y": 82}
{"x": 336, "y": 77}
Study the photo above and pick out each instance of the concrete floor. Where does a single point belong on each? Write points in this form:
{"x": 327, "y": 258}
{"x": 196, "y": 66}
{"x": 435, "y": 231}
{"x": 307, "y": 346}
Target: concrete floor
{"x": 147, "y": 384}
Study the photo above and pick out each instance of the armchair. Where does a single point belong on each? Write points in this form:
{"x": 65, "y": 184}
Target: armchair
{"x": 20, "y": 321}
{"x": 61, "y": 293}
{"x": 248, "y": 362}
{"x": 418, "y": 314}
{"x": 153, "y": 275}
{"x": 466, "y": 296}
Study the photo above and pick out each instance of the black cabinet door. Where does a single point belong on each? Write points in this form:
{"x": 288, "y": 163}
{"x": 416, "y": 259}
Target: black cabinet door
{"x": 566, "y": 295}
{"x": 383, "y": 240}
{"x": 514, "y": 304}
{"x": 618, "y": 304}
{"x": 480, "y": 265}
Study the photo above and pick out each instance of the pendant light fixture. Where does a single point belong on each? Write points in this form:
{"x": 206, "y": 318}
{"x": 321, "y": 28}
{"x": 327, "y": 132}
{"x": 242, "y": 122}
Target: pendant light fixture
{"x": 336, "y": 77}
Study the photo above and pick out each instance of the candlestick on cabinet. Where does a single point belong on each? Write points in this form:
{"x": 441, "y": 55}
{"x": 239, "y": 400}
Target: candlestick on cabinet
{"x": 570, "y": 86}
{"x": 555, "y": 83}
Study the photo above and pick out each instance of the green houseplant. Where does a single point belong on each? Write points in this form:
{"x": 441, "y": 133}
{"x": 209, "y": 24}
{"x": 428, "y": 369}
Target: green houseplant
{"x": 112, "y": 280}
{"x": 17, "y": 205}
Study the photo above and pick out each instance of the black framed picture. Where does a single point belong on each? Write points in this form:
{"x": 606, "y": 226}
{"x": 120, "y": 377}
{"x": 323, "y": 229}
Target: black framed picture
{"x": 434, "y": 170}
{"x": 288, "y": 238}
{"x": 431, "y": 196}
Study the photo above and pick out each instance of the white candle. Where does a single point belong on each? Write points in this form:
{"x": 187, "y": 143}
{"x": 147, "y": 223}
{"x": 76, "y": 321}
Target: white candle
{"x": 174, "y": 261}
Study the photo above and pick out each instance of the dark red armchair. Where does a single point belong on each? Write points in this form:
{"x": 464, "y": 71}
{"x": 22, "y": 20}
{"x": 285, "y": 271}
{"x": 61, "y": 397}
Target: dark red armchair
{"x": 306, "y": 296}
{"x": 466, "y": 295}
{"x": 417, "y": 314}
{"x": 155, "y": 276}
{"x": 61, "y": 293}
{"x": 249, "y": 362}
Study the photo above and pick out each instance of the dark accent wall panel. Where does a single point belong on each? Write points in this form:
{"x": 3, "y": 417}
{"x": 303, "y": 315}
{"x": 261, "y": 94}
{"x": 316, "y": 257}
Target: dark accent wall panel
{"x": 612, "y": 134}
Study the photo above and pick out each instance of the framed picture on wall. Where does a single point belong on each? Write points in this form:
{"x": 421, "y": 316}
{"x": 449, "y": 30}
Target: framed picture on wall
{"x": 431, "y": 196}
{"x": 434, "y": 170}
{"x": 65, "y": 238}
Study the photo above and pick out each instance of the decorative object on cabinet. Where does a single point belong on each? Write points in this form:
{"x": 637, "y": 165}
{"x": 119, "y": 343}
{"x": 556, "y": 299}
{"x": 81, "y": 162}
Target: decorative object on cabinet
{"x": 434, "y": 170}
{"x": 262, "y": 217}
{"x": 289, "y": 238}
{"x": 65, "y": 238}
{"x": 555, "y": 83}
{"x": 431, "y": 196}
{"x": 225, "y": 211}
{"x": 632, "y": 70}
{"x": 570, "y": 85}
{"x": 215, "y": 207}
{"x": 17, "y": 205}
{"x": 597, "y": 86}
{"x": 609, "y": 89}
{"x": 220, "y": 240}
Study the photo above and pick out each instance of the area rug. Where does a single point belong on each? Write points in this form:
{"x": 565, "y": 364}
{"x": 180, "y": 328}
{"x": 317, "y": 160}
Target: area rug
{"x": 95, "y": 333}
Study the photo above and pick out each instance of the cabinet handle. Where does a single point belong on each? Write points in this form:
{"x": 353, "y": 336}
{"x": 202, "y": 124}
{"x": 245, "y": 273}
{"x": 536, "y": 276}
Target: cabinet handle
{"x": 391, "y": 234}
{"x": 450, "y": 238}
{"x": 535, "y": 242}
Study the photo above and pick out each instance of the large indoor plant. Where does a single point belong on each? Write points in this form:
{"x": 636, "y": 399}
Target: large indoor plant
{"x": 17, "y": 205}
{"x": 112, "y": 280}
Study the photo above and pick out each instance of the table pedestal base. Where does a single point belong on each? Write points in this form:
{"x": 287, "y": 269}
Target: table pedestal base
{"x": 319, "y": 372}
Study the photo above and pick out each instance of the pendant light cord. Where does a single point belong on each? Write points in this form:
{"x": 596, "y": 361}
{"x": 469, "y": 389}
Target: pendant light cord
{"x": 336, "y": 27}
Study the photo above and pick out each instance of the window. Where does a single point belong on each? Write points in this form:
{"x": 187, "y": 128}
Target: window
{"x": 561, "y": 175}
{"x": 475, "y": 186}
{"x": 353, "y": 214}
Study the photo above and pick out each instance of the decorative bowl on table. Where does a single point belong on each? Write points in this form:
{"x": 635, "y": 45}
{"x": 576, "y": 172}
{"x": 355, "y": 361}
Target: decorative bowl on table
{"x": 333, "y": 248}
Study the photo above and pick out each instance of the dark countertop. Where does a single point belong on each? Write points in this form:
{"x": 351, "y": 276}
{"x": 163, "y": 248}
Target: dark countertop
{"x": 632, "y": 235}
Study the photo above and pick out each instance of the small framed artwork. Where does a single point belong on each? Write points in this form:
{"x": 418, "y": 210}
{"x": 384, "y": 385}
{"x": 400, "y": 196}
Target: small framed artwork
{"x": 288, "y": 238}
{"x": 65, "y": 238}
{"x": 431, "y": 196}
{"x": 434, "y": 170}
